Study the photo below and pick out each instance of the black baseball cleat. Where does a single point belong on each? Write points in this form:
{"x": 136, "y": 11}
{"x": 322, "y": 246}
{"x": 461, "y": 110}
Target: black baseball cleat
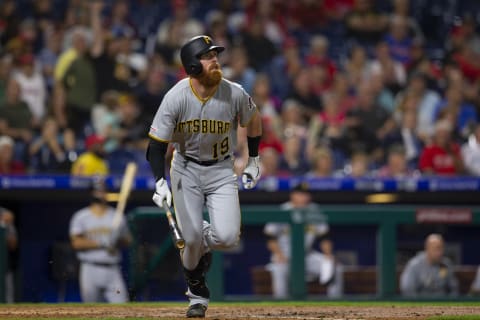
{"x": 196, "y": 311}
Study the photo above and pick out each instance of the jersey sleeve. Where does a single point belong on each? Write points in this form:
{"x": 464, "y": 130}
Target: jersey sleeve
{"x": 246, "y": 108}
{"x": 164, "y": 122}
{"x": 76, "y": 226}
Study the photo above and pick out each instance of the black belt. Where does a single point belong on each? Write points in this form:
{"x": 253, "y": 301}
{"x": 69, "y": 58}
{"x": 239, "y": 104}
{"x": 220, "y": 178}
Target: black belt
{"x": 205, "y": 163}
{"x": 102, "y": 264}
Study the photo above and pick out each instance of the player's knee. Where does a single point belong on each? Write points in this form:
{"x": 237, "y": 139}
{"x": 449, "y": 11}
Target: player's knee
{"x": 226, "y": 240}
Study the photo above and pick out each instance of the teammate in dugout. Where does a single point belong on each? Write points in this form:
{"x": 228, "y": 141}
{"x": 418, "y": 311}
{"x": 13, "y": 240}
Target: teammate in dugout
{"x": 200, "y": 116}
{"x": 97, "y": 244}
{"x": 320, "y": 265}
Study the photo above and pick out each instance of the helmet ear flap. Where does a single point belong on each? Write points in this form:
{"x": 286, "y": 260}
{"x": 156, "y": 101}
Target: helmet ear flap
{"x": 195, "y": 68}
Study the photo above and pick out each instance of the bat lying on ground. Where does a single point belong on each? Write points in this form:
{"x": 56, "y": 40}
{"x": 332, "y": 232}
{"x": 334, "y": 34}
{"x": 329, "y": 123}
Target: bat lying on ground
{"x": 176, "y": 234}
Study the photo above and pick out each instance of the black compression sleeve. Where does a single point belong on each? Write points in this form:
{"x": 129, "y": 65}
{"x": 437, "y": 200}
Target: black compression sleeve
{"x": 156, "y": 157}
{"x": 253, "y": 143}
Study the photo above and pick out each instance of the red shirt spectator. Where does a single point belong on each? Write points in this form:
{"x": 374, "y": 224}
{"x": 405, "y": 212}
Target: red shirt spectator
{"x": 8, "y": 165}
{"x": 443, "y": 156}
{"x": 438, "y": 160}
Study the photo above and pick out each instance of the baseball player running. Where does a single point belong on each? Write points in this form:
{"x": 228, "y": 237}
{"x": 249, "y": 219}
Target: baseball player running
{"x": 200, "y": 116}
{"x": 96, "y": 242}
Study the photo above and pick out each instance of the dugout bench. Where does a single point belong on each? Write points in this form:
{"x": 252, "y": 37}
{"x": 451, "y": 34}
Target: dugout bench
{"x": 385, "y": 217}
{"x": 357, "y": 280}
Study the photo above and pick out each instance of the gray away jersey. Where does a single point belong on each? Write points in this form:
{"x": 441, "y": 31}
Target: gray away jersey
{"x": 204, "y": 131}
{"x": 96, "y": 228}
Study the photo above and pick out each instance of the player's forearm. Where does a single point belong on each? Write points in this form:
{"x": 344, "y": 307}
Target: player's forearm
{"x": 156, "y": 157}
{"x": 254, "y": 132}
{"x": 254, "y": 127}
{"x": 81, "y": 243}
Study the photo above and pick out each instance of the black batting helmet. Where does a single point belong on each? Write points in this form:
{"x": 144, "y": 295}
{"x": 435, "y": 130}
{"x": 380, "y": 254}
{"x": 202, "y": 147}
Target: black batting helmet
{"x": 193, "y": 49}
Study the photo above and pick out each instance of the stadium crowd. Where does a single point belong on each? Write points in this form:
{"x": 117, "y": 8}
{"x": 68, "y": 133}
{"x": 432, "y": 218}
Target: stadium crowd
{"x": 345, "y": 87}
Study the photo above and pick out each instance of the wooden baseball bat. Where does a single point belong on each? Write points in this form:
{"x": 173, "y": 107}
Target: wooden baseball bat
{"x": 175, "y": 232}
{"x": 125, "y": 188}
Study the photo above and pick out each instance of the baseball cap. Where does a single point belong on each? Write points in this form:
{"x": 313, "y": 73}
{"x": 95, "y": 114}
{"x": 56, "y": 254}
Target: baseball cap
{"x": 301, "y": 187}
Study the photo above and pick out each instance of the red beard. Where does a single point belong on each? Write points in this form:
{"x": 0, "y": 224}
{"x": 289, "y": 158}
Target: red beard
{"x": 211, "y": 77}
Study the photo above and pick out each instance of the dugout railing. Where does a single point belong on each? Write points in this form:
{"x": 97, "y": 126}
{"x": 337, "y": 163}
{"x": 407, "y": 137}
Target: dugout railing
{"x": 386, "y": 218}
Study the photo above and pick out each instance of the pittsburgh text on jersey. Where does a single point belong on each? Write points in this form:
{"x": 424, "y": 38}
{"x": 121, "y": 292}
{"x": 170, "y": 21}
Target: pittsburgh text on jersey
{"x": 202, "y": 126}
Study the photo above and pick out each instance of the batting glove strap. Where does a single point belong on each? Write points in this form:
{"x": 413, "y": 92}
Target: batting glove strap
{"x": 162, "y": 192}
{"x": 251, "y": 174}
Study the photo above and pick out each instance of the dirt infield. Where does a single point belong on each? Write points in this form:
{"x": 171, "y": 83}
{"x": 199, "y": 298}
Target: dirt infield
{"x": 237, "y": 312}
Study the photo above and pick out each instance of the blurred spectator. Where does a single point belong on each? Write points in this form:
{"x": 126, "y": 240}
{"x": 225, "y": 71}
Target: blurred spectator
{"x": 270, "y": 163}
{"x": 267, "y": 104}
{"x": 430, "y": 272}
{"x": 302, "y": 92}
{"x": 322, "y": 164}
{"x": 33, "y": 89}
{"x": 337, "y": 9}
{"x": 317, "y": 54}
{"x": 442, "y": 156}
{"x": 328, "y": 127}
{"x": 7, "y": 221}
{"x": 284, "y": 67}
{"x": 48, "y": 56}
{"x": 10, "y": 21}
{"x": 356, "y": 66}
{"x": 383, "y": 95}
{"x": 272, "y": 14}
{"x": 150, "y": 92}
{"x": 238, "y": 69}
{"x": 8, "y": 164}
{"x": 75, "y": 87}
{"x": 16, "y": 120}
{"x": 109, "y": 54}
{"x": 169, "y": 48}
{"x": 119, "y": 21}
{"x": 401, "y": 9}
{"x": 319, "y": 266}
{"x": 364, "y": 23}
{"x": 423, "y": 100}
{"x": 293, "y": 158}
{"x": 397, "y": 164}
{"x": 394, "y": 75}
{"x": 217, "y": 29}
{"x": 260, "y": 50}
{"x": 399, "y": 40}
{"x": 420, "y": 62}
{"x": 405, "y": 134}
{"x": 468, "y": 59}
{"x": 367, "y": 124}
{"x": 5, "y": 71}
{"x": 92, "y": 162}
{"x": 106, "y": 120}
{"x": 471, "y": 152}
{"x": 306, "y": 16}
{"x": 463, "y": 115}
{"x": 358, "y": 166}
{"x": 52, "y": 151}
{"x": 185, "y": 25}
{"x": 134, "y": 134}
{"x": 462, "y": 32}
{"x": 343, "y": 92}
